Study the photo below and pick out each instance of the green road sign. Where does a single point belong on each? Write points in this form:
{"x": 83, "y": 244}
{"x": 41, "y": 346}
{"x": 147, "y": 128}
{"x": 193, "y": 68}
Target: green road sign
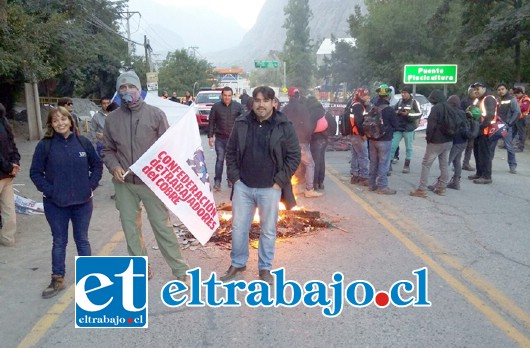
{"x": 266, "y": 64}
{"x": 430, "y": 73}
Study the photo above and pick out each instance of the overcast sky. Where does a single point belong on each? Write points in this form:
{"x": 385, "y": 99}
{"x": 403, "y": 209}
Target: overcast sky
{"x": 210, "y": 25}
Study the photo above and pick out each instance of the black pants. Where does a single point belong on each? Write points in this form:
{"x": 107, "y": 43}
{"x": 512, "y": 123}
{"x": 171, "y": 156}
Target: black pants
{"x": 484, "y": 150}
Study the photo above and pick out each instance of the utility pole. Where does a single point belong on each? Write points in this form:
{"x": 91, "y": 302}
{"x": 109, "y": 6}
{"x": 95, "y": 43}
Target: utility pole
{"x": 128, "y": 14}
{"x": 148, "y": 51}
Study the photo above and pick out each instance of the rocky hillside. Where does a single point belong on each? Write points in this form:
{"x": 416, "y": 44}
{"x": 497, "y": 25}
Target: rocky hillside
{"x": 329, "y": 17}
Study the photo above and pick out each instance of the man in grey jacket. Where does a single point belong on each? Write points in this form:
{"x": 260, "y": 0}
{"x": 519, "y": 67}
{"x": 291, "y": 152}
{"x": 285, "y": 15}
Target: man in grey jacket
{"x": 129, "y": 132}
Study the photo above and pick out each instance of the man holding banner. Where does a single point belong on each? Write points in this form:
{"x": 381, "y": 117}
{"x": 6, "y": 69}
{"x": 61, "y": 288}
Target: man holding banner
{"x": 129, "y": 132}
{"x": 262, "y": 154}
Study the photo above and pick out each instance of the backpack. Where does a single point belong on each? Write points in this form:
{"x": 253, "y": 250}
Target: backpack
{"x": 373, "y": 125}
{"x": 332, "y": 125}
{"x": 450, "y": 123}
{"x": 345, "y": 124}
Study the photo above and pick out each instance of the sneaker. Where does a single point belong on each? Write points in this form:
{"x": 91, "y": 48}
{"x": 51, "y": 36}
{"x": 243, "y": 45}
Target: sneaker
{"x": 406, "y": 169}
{"x": 483, "y": 181}
{"x": 185, "y": 279}
{"x": 354, "y": 179}
{"x": 386, "y": 191}
{"x": 419, "y": 193}
{"x": 473, "y": 177}
{"x": 217, "y": 186}
{"x": 468, "y": 167}
{"x": 57, "y": 284}
{"x": 513, "y": 170}
{"x": 312, "y": 194}
{"x": 440, "y": 191}
{"x": 229, "y": 184}
{"x": 395, "y": 160}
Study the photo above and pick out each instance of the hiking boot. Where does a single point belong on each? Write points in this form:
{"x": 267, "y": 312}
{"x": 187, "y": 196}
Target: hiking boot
{"x": 513, "y": 170}
{"x": 56, "y": 285}
{"x": 483, "y": 181}
{"x": 386, "y": 191}
{"x": 419, "y": 193}
{"x": 468, "y": 167}
{"x": 454, "y": 183}
{"x": 354, "y": 179}
{"x": 363, "y": 182}
{"x": 473, "y": 177}
{"x": 440, "y": 191}
{"x": 312, "y": 194}
{"x": 217, "y": 186}
{"x": 406, "y": 167}
{"x": 434, "y": 186}
{"x": 150, "y": 273}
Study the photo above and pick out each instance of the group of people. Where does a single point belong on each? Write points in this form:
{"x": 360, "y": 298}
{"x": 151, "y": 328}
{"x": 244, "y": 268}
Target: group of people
{"x": 263, "y": 149}
{"x": 482, "y": 120}
{"x": 187, "y": 100}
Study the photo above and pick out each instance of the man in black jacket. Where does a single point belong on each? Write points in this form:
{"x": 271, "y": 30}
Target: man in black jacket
{"x": 262, "y": 155}
{"x": 438, "y": 146}
{"x": 222, "y": 117}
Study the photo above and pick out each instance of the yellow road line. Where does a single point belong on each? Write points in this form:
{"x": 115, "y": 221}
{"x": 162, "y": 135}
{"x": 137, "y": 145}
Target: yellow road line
{"x": 489, "y": 312}
{"x": 48, "y": 319}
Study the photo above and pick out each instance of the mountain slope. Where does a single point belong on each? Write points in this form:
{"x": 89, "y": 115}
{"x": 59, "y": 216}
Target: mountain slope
{"x": 329, "y": 18}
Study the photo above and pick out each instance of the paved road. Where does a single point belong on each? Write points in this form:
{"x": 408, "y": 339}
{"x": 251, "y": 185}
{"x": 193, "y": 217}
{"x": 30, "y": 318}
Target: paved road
{"x": 474, "y": 243}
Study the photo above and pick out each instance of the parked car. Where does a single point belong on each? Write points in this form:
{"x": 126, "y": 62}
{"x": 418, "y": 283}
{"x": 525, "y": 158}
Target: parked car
{"x": 203, "y": 104}
{"x": 425, "y": 106}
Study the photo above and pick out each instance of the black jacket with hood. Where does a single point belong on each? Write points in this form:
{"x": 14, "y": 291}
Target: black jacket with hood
{"x": 434, "y": 132}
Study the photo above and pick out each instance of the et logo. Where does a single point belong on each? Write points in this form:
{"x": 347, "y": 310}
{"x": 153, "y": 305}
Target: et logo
{"x": 111, "y": 291}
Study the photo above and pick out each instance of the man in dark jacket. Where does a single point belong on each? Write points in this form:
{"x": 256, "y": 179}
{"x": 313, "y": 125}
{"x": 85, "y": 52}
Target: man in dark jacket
{"x": 262, "y": 155}
{"x": 509, "y": 111}
{"x": 9, "y": 168}
{"x": 299, "y": 115}
{"x": 484, "y": 144}
{"x": 222, "y": 117}
{"x": 438, "y": 146}
{"x": 380, "y": 148}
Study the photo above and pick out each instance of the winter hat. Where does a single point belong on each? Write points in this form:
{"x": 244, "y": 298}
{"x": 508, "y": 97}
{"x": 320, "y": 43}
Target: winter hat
{"x": 128, "y": 77}
{"x": 292, "y": 91}
{"x": 383, "y": 90}
{"x": 407, "y": 89}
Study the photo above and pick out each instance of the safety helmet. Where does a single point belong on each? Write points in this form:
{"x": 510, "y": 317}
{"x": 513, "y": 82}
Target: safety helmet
{"x": 383, "y": 90}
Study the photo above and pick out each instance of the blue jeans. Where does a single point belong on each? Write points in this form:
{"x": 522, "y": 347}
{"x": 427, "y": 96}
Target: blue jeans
{"x": 455, "y": 157}
{"x": 508, "y": 142}
{"x": 318, "y": 151}
{"x": 432, "y": 152}
{"x": 59, "y": 219}
{"x": 245, "y": 200}
{"x": 359, "y": 156}
{"x": 379, "y": 163}
{"x": 409, "y": 138}
{"x": 220, "y": 151}
{"x": 99, "y": 147}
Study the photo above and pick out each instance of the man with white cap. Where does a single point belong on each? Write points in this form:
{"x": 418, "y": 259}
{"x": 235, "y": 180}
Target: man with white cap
{"x": 130, "y": 131}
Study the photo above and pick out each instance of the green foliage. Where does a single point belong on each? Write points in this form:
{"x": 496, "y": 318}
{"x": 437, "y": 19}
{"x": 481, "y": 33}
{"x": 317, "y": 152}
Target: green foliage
{"x": 487, "y": 39}
{"x": 297, "y": 50}
{"x": 179, "y": 72}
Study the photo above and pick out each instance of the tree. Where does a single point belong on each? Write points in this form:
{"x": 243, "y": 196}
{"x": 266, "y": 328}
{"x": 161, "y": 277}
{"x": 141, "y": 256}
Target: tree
{"x": 179, "y": 72}
{"x": 297, "y": 49}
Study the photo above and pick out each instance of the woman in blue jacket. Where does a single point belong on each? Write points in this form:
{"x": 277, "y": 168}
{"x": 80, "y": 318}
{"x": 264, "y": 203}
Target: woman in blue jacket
{"x": 66, "y": 169}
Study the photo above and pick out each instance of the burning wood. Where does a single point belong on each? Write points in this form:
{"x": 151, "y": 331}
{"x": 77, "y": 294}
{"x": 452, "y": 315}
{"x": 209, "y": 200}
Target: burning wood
{"x": 291, "y": 223}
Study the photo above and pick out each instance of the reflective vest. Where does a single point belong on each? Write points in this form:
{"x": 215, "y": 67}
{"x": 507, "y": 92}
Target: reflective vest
{"x": 482, "y": 106}
{"x": 354, "y": 128}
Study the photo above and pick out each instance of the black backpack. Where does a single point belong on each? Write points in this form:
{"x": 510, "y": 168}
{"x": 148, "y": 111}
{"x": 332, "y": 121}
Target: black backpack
{"x": 345, "y": 125}
{"x": 450, "y": 121}
{"x": 373, "y": 125}
{"x": 332, "y": 124}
